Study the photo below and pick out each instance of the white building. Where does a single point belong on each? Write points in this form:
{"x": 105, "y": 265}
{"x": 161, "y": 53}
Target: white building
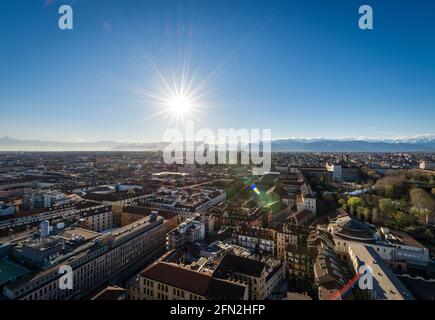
{"x": 427, "y": 165}
{"x": 306, "y": 199}
{"x": 42, "y": 199}
{"x": 395, "y": 247}
{"x": 381, "y": 283}
{"x": 336, "y": 171}
{"x": 190, "y": 231}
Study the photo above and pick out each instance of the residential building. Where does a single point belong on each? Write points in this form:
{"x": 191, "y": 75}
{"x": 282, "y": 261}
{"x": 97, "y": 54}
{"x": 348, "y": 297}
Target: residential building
{"x": 306, "y": 199}
{"x": 261, "y": 278}
{"x": 130, "y": 214}
{"x": 329, "y": 275}
{"x": 170, "y": 281}
{"x": 94, "y": 259}
{"x": 42, "y": 199}
{"x": 289, "y": 234}
{"x": 302, "y": 217}
{"x": 427, "y": 165}
{"x": 99, "y": 219}
{"x": 190, "y": 231}
{"x": 259, "y": 240}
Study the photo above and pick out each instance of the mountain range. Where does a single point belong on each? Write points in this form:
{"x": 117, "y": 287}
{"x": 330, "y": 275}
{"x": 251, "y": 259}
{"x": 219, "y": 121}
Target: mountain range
{"x": 413, "y": 144}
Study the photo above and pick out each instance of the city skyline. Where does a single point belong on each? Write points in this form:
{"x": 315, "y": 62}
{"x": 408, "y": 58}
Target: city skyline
{"x": 304, "y": 70}
{"x": 212, "y": 158}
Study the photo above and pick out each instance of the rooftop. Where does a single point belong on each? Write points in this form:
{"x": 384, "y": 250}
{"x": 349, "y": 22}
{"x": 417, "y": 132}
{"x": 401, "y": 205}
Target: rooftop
{"x": 193, "y": 281}
{"x": 10, "y": 271}
{"x": 234, "y": 264}
{"x": 385, "y": 282}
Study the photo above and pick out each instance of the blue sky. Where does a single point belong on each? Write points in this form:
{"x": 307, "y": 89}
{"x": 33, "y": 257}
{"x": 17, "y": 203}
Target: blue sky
{"x": 301, "y": 68}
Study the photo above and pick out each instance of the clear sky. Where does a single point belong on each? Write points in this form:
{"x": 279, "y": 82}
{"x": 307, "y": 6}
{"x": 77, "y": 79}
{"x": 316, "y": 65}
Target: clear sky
{"x": 302, "y": 68}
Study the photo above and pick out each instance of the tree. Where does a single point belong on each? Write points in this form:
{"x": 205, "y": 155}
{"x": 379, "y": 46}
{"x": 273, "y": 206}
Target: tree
{"x": 421, "y": 199}
{"x": 376, "y": 219}
{"x": 401, "y": 219}
{"x": 363, "y": 213}
{"x": 354, "y": 203}
{"x": 373, "y": 174}
{"x": 391, "y": 186}
{"x": 366, "y": 213}
{"x": 342, "y": 202}
{"x": 386, "y": 206}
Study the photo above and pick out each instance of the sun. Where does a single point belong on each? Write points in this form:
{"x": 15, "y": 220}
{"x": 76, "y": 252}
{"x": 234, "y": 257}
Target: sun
{"x": 180, "y": 104}
{"x": 179, "y": 97}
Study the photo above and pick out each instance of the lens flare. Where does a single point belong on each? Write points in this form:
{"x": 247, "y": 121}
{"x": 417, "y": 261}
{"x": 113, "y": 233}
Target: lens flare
{"x": 180, "y": 105}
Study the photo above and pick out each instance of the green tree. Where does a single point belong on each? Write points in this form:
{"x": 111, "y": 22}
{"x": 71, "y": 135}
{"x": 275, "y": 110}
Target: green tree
{"x": 354, "y": 203}
{"x": 342, "y": 202}
{"x": 401, "y": 219}
{"x": 363, "y": 213}
{"x": 386, "y": 206}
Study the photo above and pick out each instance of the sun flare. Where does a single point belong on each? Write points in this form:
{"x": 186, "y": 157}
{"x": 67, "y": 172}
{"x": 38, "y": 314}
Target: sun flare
{"x": 180, "y": 105}
{"x": 180, "y": 97}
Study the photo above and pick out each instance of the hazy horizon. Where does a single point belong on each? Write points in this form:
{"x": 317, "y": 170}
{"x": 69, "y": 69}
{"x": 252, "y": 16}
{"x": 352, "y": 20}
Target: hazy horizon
{"x": 302, "y": 69}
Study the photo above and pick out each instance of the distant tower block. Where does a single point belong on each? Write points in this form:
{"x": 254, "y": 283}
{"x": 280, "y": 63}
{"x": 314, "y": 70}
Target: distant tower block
{"x": 45, "y": 229}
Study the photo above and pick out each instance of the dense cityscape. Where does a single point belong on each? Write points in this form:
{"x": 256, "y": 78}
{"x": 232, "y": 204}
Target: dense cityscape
{"x": 217, "y": 159}
{"x": 127, "y": 226}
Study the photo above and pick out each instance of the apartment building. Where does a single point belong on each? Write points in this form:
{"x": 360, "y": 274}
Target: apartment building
{"x": 300, "y": 261}
{"x": 427, "y": 165}
{"x": 301, "y": 257}
{"x": 329, "y": 275}
{"x": 99, "y": 219}
{"x": 343, "y": 173}
{"x": 289, "y": 234}
{"x": 42, "y": 199}
{"x": 95, "y": 260}
{"x": 190, "y": 231}
{"x": 306, "y": 199}
{"x": 259, "y": 240}
{"x": 170, "y": 281}
{"x": 302, "y": 217}
{"x": 262, "y": 278}
{"x": 185, "y": 201}
{"x": 130, "y": 214}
